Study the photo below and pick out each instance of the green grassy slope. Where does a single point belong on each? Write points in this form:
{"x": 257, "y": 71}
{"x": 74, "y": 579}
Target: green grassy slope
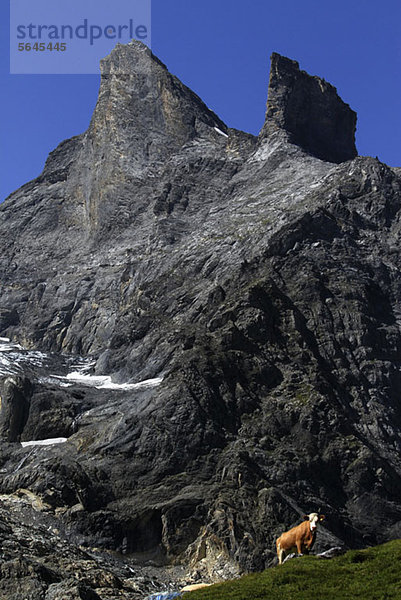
{"x": 372, "y": 574}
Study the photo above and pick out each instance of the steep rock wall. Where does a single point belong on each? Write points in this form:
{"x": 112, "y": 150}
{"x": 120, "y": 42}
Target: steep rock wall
{"x": 260, "y": 277}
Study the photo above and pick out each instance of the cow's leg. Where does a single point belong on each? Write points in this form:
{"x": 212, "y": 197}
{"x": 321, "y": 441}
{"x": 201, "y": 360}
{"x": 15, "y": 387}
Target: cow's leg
{"x": 280, "y": 553}
{"x": 299, "y": 547}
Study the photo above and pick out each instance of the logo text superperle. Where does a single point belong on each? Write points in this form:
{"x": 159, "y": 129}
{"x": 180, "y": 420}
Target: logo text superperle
{"x": 85, "y": 31}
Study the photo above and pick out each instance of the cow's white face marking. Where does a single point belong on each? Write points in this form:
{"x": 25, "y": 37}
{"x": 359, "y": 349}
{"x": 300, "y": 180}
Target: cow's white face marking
{"x": 313, "y": 521}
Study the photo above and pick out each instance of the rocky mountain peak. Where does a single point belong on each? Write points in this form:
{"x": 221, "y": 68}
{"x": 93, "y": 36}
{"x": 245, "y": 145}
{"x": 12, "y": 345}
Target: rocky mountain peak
{"x": 144, "y": 115}
{"x": 310, "y": 111}
{"x": 141, "y": 100}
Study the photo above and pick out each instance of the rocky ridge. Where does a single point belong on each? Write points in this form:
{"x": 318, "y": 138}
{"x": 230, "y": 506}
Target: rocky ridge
{"x": 258, "y": 278}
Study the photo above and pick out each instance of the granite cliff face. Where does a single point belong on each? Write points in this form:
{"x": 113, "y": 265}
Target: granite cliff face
{"x": 255, "y": 281}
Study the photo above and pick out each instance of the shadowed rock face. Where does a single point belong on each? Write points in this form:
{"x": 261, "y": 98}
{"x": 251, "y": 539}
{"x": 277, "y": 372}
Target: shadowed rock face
{"x": 310, "y": 111}
{"x": 15, "y": 395}
{"x": 261, "y": 282}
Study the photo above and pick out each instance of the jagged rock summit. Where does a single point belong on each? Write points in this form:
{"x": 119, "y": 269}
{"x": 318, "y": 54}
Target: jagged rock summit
{"x": 310, "y": 111}
{"x": 211, "y": 320}
{"x": 139, "y": 96}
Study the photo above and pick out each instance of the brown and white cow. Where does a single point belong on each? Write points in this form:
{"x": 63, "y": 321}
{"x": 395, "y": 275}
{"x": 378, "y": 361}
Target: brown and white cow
{"x": 300, "y": 538}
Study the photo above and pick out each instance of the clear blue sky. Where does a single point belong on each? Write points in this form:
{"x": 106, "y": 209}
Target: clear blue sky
{"x": 221, "y": 49}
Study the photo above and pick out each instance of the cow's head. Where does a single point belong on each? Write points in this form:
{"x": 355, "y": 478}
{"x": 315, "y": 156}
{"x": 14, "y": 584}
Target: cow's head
{"x": 314, "y": 519}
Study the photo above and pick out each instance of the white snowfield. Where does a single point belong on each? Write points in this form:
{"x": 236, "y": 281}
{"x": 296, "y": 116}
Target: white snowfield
{"x": 104, "y": 382}
{"x": 7, "y": 365}
{"x": 6, "y": 345}
{"x": 48, "y": 442}
{"x": 14, "y": 357}
{"x": 217, "y": 130}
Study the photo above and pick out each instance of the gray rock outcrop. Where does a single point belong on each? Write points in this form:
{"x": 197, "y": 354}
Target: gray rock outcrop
{"x": 310, "y": 111}
{"x": 15, "y": 395}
